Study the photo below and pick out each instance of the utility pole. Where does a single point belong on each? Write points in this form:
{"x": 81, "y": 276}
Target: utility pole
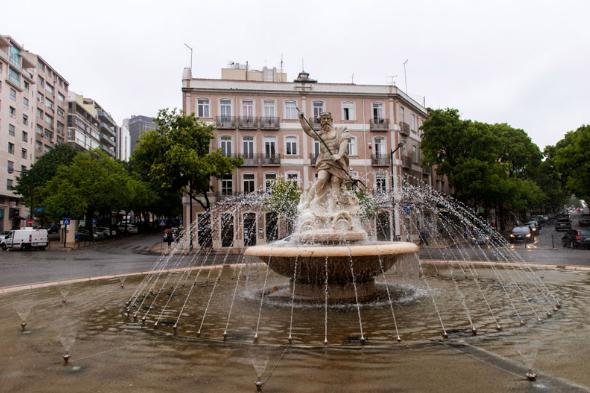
{"x": 406, "y": 75}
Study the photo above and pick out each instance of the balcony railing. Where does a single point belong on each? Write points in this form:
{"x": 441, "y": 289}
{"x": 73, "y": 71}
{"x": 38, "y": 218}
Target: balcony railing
{"x": 407, "y": 162}
{"x": 225, "y": 122}
{"x": 313, "y": 158}
{"x": 271, "y": 159}
{"x": 270, "y": 123}
{"x": 404, "y": 128}
{"x": 380, "y": 160}
{"x": 250, "y": 160}
{"x": 379, "y": 124}
{"x": 248, "y": 123}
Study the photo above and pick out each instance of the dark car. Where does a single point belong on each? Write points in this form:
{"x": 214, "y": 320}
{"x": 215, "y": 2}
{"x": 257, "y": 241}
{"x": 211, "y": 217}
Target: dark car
{"x": 84, "y": 234}
{"x": 576, "y": 238}
{"x": 534, "y": 225}
{"x": 521, "y": 234}
{"x": 563, "y": 224}
{"x": 584, "y": 220}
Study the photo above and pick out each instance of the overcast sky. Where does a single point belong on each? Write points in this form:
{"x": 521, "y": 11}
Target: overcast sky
{"x": 525, "y": 63}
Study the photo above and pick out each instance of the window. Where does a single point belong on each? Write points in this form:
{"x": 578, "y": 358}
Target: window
{"x": 378, "y": 114}
{"x": 38, "y": 145}
{"x": 60, "y": 97}
{"x": 318, "y": 108}
{"x": 348, "y": 111}
{"x": 269, "y": 179}
{"x": 226, "y": 185}
{"x": 249, "y": 185}
{"x": 41, "y": 81}
{"x": 269, "y": 108}
{"x": 39, "y": 114}
{"x": 9, "y": 184}
{"x": 227, "y": 230}
{"x": 60, "y": 127}
{"x": 10, "y": 167}
{"x": 225, "y": 146}
{"x": 379, "y": 147}
{"x": 23, "y": 168}
{"x": 25, "y": 137}
{"x": 13, "y": 76}
{"x": 11, "y": 129}
{"x": 270, "y": 146}
{"x": 39, "y": 129}
{"x": 23, "y": 153}
{"x": 290, "y": 110}
{"x": 48, "y": 134}
{"x": 48, "y": 119}
{"x": 352, "y": 146}
{"x": 291, "y": 145}
{"x": 414, "y": 154}
{"x": 413, "y": 123}
{"x": 293, "y": 177}
{"x": 49, "y": 88}
{"x": 60, "y": 112}
{"x": 402, "y": 114}
{"x": 13, "y": 94}
{"x": 48, "y": 103}
{"x": 381, "y": 183}
{"x": 203, "y": 108}
{"x": 248, "y": 147}
{"x": 225, "y": 109}
{"x": 25, "y": 120}
{"x": 27, "y": 89}
{"x": 10, "y": 148}
{"x": 12, "y": 112}
{"x": 248, "y": 109}
{"x": 14, "y": 55}
{"x": 26, "y": 102}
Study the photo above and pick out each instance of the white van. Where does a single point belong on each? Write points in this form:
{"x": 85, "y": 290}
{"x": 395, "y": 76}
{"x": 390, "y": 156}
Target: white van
{"x": 25, "y": 239}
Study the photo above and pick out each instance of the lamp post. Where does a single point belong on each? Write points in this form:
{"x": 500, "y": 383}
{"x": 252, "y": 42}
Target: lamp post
{"x": 393, "y": 182}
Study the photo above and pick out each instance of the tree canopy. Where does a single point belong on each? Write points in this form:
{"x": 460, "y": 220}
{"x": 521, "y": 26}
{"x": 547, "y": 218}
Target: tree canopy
{"x": 490, "y": 165}
{"x": 571, "y": 157}
{"x": 175, "y": 157}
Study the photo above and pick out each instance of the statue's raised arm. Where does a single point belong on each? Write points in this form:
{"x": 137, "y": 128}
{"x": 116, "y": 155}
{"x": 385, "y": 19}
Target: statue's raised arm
{"x": 305, "y": 125}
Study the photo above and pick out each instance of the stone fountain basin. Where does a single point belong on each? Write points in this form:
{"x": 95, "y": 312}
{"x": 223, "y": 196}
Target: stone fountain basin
{"x": 311, "y": 260}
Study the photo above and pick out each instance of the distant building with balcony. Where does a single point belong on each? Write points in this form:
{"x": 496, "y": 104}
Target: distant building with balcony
{"x": 258, "y": 121}
{"x": 83, "y": 124}
{"x": 137, "y": 126}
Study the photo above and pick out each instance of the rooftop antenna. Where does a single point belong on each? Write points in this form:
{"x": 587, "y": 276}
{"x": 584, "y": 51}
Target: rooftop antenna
{"x": 281, "y": 63}
{"x": 191, "y": 49}
{"x": 302, "y": 65}
{"x": 352, "y": 78}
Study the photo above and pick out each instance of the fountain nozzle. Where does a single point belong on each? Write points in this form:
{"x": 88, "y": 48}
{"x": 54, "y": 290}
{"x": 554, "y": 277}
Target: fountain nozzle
{"x": 255, "y": 339}
{"x": 499, "y": 327}
{"x": 399, "y": 339}
{"x": 531, "y": 375}
{"x": 23, "y": 325}
{"x": 290, "y": 340}
{"x": 363, "y": 340}
{"x": 224, "y": 336}
{"x": 66, "y": 357}
{"x": 325, "y": 342}
{"x": 549, "y": 314}
{"x": 259, "y": 385}
{"x": 445, "y": 334}
{"x": 175, "y": 328}
{"x": 558, "y": 305}
{"x": 522, "y": 322}
{"x": 474, "y": 331}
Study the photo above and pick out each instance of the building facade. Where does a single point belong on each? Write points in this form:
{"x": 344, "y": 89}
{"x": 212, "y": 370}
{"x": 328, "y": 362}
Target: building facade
{"x": 107, "y": 131}
{"x": 137, "y": 126}
{"x": 17, "y": 117}
{"x": 258, "y": 121}
{"x": 123, "y": 141}
{"x": 82, "y": 123}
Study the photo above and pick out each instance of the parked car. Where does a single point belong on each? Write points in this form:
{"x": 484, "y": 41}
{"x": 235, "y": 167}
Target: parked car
{"x": 52, "y": 228}
{"x": 584, "y": 220}
{"x": 541, "y": 219}
{"x": 3, "y": 237}
{"x": 563, "y": 224}
{"x": 480, "y": 240}
{"x": 576, "y": 238}
{"x": 84, "y": 234}
{"x": 105, "y": 232}
{"x": 521, "y": 234}
{"x": 25, "y": 239}
{"x": 534, "y": 225}
{"x": 129, "y": 228}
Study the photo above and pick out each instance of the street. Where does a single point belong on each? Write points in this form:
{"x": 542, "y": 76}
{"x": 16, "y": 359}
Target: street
{"x": 132, "y": 254}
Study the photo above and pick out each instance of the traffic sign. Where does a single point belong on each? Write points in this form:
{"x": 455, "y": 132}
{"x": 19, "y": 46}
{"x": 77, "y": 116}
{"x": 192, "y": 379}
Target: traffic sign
{"x": 66, "y": 221}
{"x": 94, "y": 221}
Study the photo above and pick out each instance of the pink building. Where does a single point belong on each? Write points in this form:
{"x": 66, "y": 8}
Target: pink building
{"x": 255, "y": 116}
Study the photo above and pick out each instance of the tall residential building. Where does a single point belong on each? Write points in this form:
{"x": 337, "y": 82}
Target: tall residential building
{"x": 51, "y": 92}
{"x": 123, "y": 141}
{"x": 107, "y": 131}
{"x": 258, "y": 121}
{"x": 137, "y": 126}
{"x": 17, "y": 116}
{"x": 82, "y": 123}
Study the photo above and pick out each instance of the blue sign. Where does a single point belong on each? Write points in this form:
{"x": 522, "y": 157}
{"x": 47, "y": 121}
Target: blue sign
{"x": 407, "y": 210}
{"x": 66, "y": 221}
{"x": 94, "y": 221}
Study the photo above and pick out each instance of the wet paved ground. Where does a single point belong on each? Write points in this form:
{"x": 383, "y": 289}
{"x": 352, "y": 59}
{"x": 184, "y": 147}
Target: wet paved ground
{"x": 132, "y": 254}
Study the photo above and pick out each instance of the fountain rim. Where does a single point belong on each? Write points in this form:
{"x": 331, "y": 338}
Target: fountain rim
{"x": 322, "y": 250}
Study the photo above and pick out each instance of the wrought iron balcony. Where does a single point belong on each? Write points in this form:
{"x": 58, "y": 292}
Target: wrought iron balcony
{"x": 225, "y": 122}
{"x": 313, "y": 158}
{"x": 270, "y": 123}
{"x": 250, "y": 160}
{"x": 248, "y": 123}
{"x": 271, "y": 159}
{"x": 380, "y": 160}
{"x": 379, "y": 124}
{"x": 404, "y": 128}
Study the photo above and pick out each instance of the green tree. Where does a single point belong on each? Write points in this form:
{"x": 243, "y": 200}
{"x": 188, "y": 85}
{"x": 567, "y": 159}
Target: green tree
{"x": 176, "y": 156}
{"x": 571, "y": 157}
{"x": 30, "y": 182}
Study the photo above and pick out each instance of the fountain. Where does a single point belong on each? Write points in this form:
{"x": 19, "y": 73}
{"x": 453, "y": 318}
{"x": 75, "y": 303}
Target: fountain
{"x": 328, "y": 240}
